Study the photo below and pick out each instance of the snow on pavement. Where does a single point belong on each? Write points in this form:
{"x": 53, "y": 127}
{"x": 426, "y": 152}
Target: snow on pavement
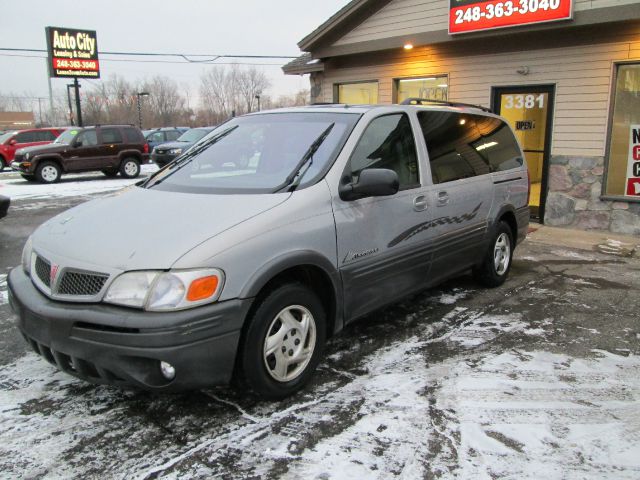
{"x": 73, "y": 185}
{"x": 403, "y": 412}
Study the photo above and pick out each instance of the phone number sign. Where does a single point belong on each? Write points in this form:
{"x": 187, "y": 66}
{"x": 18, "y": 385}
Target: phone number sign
{"x": 72, "y": 53}
{"x": 473, "y": 15}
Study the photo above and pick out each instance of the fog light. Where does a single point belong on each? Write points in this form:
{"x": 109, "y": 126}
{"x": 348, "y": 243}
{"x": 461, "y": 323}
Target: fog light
{"x": 167, "y": 370}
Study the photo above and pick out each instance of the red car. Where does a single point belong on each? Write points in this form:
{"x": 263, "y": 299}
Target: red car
{"x": 15, "y": 139}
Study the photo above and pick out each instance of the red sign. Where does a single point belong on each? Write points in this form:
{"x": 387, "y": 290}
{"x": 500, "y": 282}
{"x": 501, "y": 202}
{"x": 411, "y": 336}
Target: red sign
{"x": 472, "y": 15}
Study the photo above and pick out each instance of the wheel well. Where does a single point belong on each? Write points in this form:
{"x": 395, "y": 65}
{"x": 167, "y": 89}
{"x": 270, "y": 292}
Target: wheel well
{"x": 510, "y": 219}
{"x": 313, "y": 277}
{"x": 52, "y": 160}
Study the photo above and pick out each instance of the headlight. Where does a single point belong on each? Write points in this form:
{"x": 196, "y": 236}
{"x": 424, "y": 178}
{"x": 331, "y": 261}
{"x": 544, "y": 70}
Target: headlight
{"x": 175, "y": 151}
{"x": 26, "y": 256}
{"x": 166, "y": 291}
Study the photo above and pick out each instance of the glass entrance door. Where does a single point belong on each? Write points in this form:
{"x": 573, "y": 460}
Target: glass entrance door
{"x": 529, "y": 111}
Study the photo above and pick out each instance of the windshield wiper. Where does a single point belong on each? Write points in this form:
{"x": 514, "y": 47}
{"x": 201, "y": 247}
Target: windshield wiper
{"x": 296, "y": 175}
{"x": 182, "y": 160}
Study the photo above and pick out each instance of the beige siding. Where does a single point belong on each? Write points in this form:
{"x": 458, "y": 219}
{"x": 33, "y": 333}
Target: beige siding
{"x": 582, "y": 75}
{"x": 401, "y": 17}
{"x": 409, "y": 17}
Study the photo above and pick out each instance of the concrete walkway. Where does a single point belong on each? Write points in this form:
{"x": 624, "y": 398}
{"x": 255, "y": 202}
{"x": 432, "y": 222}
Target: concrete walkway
{"x": 592, "y": 240}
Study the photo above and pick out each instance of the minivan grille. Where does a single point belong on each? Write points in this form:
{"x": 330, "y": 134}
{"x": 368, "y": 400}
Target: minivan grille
{"x": 76, "y": 283}
{"x": 71, "y": 282}
{"x": 43, "y": 270}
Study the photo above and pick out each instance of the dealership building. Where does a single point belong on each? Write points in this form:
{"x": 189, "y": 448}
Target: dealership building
{"x": 565, "y": 74}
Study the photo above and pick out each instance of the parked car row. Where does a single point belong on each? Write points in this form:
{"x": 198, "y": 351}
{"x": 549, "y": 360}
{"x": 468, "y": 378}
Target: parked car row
{"x": 44, "y": 155}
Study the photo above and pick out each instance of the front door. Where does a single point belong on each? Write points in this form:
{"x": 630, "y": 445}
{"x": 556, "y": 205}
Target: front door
{"x": 529, "y": 111}
{"x": 379, "y": 259}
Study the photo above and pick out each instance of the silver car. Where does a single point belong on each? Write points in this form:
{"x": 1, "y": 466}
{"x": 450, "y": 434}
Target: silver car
{"x": 271, "y": 234}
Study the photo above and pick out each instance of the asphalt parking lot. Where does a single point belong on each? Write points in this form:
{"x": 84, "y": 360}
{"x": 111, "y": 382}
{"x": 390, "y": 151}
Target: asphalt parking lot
{"x": 539, "y": 378}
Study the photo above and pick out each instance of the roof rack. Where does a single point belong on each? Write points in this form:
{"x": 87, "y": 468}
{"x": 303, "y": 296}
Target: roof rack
{"x": 422, "y": 101}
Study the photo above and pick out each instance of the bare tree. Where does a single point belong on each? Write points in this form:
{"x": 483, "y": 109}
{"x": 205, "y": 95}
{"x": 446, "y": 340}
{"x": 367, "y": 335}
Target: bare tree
{"x": 251, "y": 83}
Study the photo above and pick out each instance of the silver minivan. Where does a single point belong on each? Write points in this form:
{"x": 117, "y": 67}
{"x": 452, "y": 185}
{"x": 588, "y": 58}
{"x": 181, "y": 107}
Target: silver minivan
{"x": 240, "y": 258}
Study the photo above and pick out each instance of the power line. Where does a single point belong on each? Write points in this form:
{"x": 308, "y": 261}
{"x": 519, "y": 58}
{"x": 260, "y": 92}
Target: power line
{"x": 211, "y": 57}
{"x": 154, "y": 61}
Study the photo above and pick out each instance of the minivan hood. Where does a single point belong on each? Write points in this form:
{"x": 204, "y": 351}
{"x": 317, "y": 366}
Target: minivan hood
{"x": 141, "y": 229}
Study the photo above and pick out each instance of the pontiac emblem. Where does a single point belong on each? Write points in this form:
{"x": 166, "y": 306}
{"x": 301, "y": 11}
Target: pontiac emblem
{"x": 53, "y": 273}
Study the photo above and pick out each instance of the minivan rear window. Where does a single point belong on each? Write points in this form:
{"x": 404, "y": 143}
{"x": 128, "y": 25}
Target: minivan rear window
{"x": 463, "y": 145}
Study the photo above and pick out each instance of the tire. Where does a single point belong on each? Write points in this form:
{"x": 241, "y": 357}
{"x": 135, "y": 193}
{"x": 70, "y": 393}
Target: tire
{"x": 130, "y": 168}
{"x": 48, "y": 172}
{"x": 3, "y": 163}
{"x": 28, "y": 178}
{"x": 276, "y": 335}
{"x": 495, "y": 266}
{"x": 110, "y": 173}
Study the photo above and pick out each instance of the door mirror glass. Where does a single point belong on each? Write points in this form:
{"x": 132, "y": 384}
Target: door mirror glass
{"x": 372, "y": 182}
{"x": 77, "y": 143}
{"x": 13, "y": 141}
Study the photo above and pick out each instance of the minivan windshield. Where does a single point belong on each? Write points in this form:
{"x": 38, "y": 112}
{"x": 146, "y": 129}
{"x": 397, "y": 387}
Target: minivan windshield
{"x": 259, "y": 153}
{"x": 67, "y": 136}
{"x": 192, "y": 135}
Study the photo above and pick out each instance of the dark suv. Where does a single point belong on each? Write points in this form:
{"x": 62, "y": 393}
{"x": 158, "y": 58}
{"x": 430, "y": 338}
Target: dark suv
{"x": 111, "y": 149}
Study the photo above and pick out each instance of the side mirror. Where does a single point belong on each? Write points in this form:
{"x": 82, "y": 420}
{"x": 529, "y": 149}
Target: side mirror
{"x": 373, "y": 182}
{"x": 77, "y": 143}
{"x": 13, "y": 141}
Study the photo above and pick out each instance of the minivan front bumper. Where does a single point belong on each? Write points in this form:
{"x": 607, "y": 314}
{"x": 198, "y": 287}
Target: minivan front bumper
{"x": 119, "y": 346}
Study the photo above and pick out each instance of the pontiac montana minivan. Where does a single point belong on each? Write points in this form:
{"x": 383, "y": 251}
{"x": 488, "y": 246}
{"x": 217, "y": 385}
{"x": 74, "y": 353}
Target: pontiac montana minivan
{"x": 242, "y": 257}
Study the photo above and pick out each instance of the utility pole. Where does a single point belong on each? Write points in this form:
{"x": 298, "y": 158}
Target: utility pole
{"x": 40, "y": 109}
{"x": 76, "y": 85}
{"x": 258, "y": 98}
{"x": 138, "y": 95}
{"x": 69, "y": 85}
{"x": 50, "y": 92}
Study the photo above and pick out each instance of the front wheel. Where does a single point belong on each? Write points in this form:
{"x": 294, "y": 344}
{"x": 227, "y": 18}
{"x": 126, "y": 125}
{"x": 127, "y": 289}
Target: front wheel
{"x": 48, "y": 172}
{"x": 493, "y": 270}
{"x": 130, "y": 168}
{"x": 283, "y": 342}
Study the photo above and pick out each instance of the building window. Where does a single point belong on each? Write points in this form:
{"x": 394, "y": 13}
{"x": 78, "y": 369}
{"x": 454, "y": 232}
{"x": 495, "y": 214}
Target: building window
{"x": 433, "y": 88}
{"x": 358, "y": 93}
{"x": 623, "y": 168}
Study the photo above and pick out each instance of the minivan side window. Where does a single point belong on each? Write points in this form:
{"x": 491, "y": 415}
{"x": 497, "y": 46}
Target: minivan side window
{"x": 111, "y": 135}
{"x": 463, "y": 145}
{"x": 388, "y": 142}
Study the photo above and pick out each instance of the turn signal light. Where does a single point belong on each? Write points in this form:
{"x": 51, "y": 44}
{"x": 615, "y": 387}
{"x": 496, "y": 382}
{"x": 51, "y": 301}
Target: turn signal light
{"x": 202, "y": 288}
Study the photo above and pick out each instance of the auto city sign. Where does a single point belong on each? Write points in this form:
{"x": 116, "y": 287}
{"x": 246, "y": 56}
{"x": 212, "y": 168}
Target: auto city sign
{"x": 72, "y": 53}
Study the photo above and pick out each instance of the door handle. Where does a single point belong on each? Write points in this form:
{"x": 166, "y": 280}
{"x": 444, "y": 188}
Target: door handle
{"x": 443, "y": 198}
{"x": 420, "y": 203}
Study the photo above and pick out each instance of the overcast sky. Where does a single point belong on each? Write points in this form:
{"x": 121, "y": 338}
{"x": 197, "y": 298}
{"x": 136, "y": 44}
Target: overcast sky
{"x": 248, "y": 27}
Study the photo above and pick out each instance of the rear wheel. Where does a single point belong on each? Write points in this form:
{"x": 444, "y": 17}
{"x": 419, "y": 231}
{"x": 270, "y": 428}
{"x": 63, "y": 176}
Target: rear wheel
{"x": 48, "y": 172}
{"x": 130, "y": 168}
{"x": 493, "y": 270}
{"x": 283, "y": 342}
